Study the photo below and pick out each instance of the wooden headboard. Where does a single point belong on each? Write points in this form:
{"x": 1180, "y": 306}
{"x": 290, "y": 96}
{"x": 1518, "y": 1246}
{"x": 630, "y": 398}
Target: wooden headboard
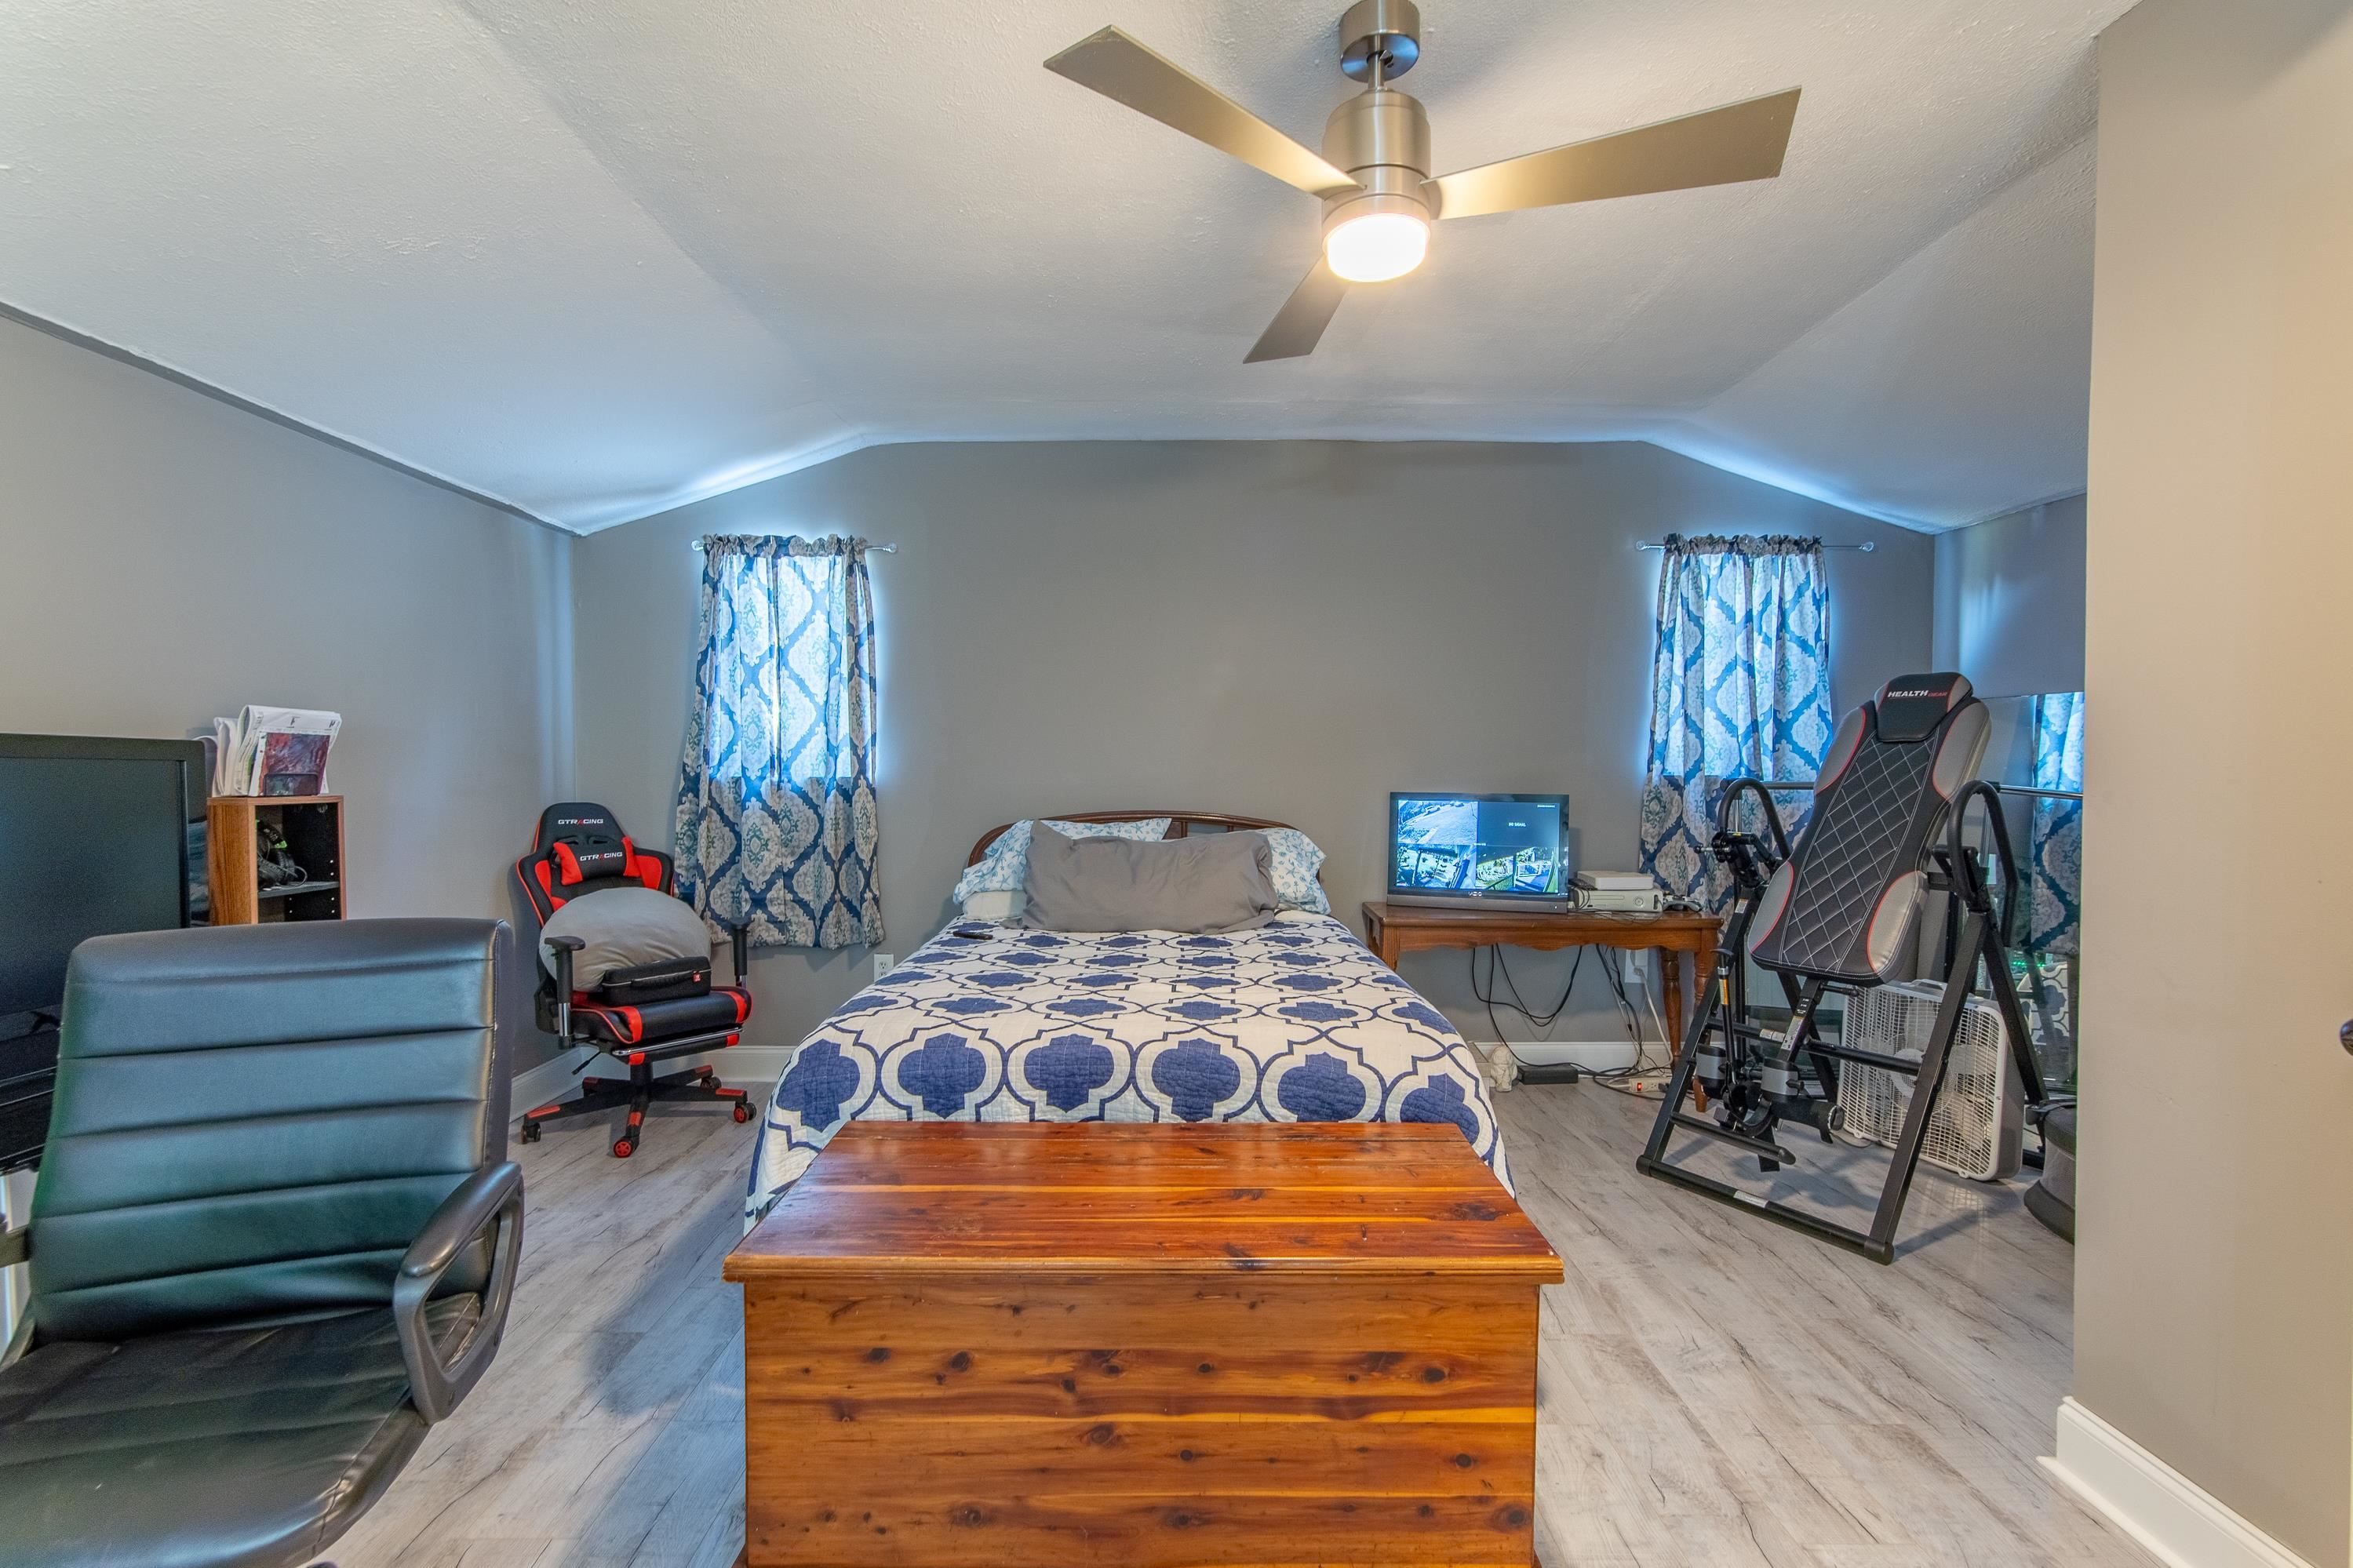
{"x": 1180, "y": 824}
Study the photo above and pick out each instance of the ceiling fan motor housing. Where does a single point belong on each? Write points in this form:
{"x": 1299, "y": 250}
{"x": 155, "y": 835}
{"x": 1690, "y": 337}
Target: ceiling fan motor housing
{"x": 1381, "y": 137}
{"x": 1391, "y": 30}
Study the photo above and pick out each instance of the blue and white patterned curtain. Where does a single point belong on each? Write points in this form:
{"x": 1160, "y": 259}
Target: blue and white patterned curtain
{"x": 777, "y": 826}
{"x": 1740, "y": 688}
{"x": 2055, "y": 851}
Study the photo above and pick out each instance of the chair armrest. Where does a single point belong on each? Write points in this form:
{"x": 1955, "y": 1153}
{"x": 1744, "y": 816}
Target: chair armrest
{"x": 16, "y": 1246}
{"x": 494, "y": 1192}
{"x": 739, "y": 949}
{"x": 561, "y": 948}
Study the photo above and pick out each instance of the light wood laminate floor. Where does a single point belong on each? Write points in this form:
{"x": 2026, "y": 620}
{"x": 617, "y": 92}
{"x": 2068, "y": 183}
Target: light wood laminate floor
{"x": 1716, "y": 1390}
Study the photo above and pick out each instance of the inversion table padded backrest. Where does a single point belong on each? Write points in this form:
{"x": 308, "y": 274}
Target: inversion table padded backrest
{"x": 1844, "y": 904}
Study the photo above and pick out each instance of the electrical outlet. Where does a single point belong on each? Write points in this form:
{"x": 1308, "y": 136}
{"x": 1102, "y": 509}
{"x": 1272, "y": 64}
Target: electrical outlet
{"x": 1637, "y": 966}
{"x": 883, "y": 961}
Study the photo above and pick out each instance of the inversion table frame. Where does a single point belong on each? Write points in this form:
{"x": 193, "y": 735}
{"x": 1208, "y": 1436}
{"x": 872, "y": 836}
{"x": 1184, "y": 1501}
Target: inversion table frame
{"x": 1747, "y": 1115}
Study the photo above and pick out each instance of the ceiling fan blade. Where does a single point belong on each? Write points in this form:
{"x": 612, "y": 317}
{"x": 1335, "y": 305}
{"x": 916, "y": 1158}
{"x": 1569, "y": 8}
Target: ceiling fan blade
{"x": 1125, "y": 71}
{"x": 1715, "y": 147}
{"x": 1304, "y": 316}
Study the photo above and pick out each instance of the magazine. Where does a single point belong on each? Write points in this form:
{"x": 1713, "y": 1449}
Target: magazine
{"x": 273, "y": 751}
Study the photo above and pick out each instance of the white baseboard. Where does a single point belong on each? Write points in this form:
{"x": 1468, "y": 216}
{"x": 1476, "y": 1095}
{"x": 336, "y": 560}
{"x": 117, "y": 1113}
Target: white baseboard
{"x": 1503, "y": 1059}
{"x": 2171, "y": 1515}
{"x": 550, "y": 1081}
{"x": 753, "y": 1068}
{"x": 1597, "y": 1055}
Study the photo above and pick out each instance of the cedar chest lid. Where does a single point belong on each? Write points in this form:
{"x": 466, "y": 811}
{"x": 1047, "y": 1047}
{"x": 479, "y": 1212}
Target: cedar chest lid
{"x": 924, "y": 1199}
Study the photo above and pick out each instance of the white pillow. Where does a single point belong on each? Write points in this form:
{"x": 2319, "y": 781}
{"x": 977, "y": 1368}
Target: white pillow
{"x": 994, "y": 906}
{"x": 624, "y": 927}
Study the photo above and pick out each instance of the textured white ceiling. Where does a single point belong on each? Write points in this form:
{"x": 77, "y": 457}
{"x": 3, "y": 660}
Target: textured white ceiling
{"x": 600, "y": 257}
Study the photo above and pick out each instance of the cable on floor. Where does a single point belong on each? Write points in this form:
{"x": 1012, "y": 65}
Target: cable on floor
{"x": 1611, "y": 1079}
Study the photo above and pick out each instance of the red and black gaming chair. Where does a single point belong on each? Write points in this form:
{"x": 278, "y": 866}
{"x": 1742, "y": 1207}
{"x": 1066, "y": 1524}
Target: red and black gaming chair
{"x": 639, "y": 1016}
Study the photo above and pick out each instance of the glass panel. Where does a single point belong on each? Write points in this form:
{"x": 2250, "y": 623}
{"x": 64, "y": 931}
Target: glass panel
{"x": 2037, "y": 745}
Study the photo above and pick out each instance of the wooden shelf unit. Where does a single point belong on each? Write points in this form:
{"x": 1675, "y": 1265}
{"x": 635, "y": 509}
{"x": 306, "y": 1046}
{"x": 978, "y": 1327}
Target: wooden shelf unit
{"x": 313, "y": 828}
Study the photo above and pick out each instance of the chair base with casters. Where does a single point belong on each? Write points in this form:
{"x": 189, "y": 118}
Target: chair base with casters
{"x": 580, "y": 850}
{"x": 636, "y": 1093}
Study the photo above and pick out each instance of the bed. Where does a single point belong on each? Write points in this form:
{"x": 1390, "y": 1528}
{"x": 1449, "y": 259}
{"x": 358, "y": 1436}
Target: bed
{"x": 1294, "y": 1021}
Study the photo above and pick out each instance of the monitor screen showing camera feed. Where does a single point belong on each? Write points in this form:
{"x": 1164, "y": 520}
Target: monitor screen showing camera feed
{"x": 1478, "y": 846}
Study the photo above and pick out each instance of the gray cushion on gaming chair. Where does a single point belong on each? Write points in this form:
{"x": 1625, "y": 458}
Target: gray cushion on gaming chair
{"x": 251, "y": 1126}
{"x": 624, "y": 928}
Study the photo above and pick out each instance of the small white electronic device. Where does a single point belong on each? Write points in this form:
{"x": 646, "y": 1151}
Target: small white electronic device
{"x": 1621, "y": 900}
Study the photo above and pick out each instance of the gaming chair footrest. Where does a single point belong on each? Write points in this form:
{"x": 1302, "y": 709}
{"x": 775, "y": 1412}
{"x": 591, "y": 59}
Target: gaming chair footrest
{"x": 662, "y": 1050}
{"x": 662, "y": 1023}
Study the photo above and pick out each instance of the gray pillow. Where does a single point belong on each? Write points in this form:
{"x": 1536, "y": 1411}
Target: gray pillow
{"x": 1218, "y": 882}
{"x": 624, "y": 927}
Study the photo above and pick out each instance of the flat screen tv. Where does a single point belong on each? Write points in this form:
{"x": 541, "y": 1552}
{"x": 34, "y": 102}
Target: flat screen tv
{"x": 1508, "y": 851}
{"x": 97, "y": 836}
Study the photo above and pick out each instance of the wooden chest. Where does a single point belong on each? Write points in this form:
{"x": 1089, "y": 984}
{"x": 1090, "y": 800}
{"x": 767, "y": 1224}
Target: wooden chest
{"x": 989, "y": 1346}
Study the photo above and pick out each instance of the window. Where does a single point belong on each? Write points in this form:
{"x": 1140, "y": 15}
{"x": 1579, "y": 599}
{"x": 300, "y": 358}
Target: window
{"x": 777, "y": 826}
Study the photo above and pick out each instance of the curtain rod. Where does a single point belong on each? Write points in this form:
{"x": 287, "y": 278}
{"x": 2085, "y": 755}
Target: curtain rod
{"x": 1866, "y": 546}
{"x": 893, "y": 550}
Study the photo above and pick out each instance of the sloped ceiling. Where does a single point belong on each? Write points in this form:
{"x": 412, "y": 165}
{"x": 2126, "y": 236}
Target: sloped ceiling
{"x": 597, "y": 257}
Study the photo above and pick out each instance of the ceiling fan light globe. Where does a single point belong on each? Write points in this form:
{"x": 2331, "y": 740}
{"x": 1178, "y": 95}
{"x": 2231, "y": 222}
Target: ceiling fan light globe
{"x": 1376, "y": 246}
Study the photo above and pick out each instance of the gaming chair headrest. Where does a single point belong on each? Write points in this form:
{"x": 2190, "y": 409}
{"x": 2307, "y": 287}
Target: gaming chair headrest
{"x": 586, "y": 843}
{"x": 580, "y": 848}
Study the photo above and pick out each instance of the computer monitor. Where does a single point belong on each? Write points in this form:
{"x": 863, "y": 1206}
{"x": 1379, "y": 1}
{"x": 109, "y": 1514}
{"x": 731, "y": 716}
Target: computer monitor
{"x": 1508, "y": 850}
{"x": 97, "y": 836}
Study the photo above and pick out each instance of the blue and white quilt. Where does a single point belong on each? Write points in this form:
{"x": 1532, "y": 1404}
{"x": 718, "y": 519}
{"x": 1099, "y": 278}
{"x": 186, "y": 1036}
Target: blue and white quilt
{"x": 1295, "y": 1021}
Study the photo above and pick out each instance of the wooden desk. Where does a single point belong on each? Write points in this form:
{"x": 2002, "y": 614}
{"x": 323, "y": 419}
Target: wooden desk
{"x": 1395, "y": 930}
{"x": 1152, "y": 1346}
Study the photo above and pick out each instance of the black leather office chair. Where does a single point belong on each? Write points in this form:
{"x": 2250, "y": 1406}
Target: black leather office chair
{"x": 274, "y": 1237}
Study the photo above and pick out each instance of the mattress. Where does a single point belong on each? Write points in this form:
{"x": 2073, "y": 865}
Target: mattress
{"x": 1295, "y": 1021}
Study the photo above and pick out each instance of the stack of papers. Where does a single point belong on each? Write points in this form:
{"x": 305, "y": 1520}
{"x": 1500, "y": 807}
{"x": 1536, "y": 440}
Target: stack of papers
{"x": 273, "y": 751}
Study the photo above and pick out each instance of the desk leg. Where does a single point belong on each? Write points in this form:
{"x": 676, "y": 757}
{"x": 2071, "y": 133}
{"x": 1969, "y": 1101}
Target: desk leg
{"x": 1670, "y": 981}
{"x": 1387, "y": 946}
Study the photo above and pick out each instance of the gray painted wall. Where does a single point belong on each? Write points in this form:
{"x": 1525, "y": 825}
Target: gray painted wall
{"x": 169, "y": 558}
{"x": 2214, "y": 1284}
{"x": 2009, "y": 601}
{"x": 1282, "y": 630}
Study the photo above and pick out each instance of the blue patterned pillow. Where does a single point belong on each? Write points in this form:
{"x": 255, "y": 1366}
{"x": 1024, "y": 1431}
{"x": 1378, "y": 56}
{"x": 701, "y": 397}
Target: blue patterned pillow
{"x": 1296, "y": 861}
{"x": 1006, "y": 866}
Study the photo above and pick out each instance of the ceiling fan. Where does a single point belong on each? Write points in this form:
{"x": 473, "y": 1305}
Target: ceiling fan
{"x": 1374, "y": 175}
